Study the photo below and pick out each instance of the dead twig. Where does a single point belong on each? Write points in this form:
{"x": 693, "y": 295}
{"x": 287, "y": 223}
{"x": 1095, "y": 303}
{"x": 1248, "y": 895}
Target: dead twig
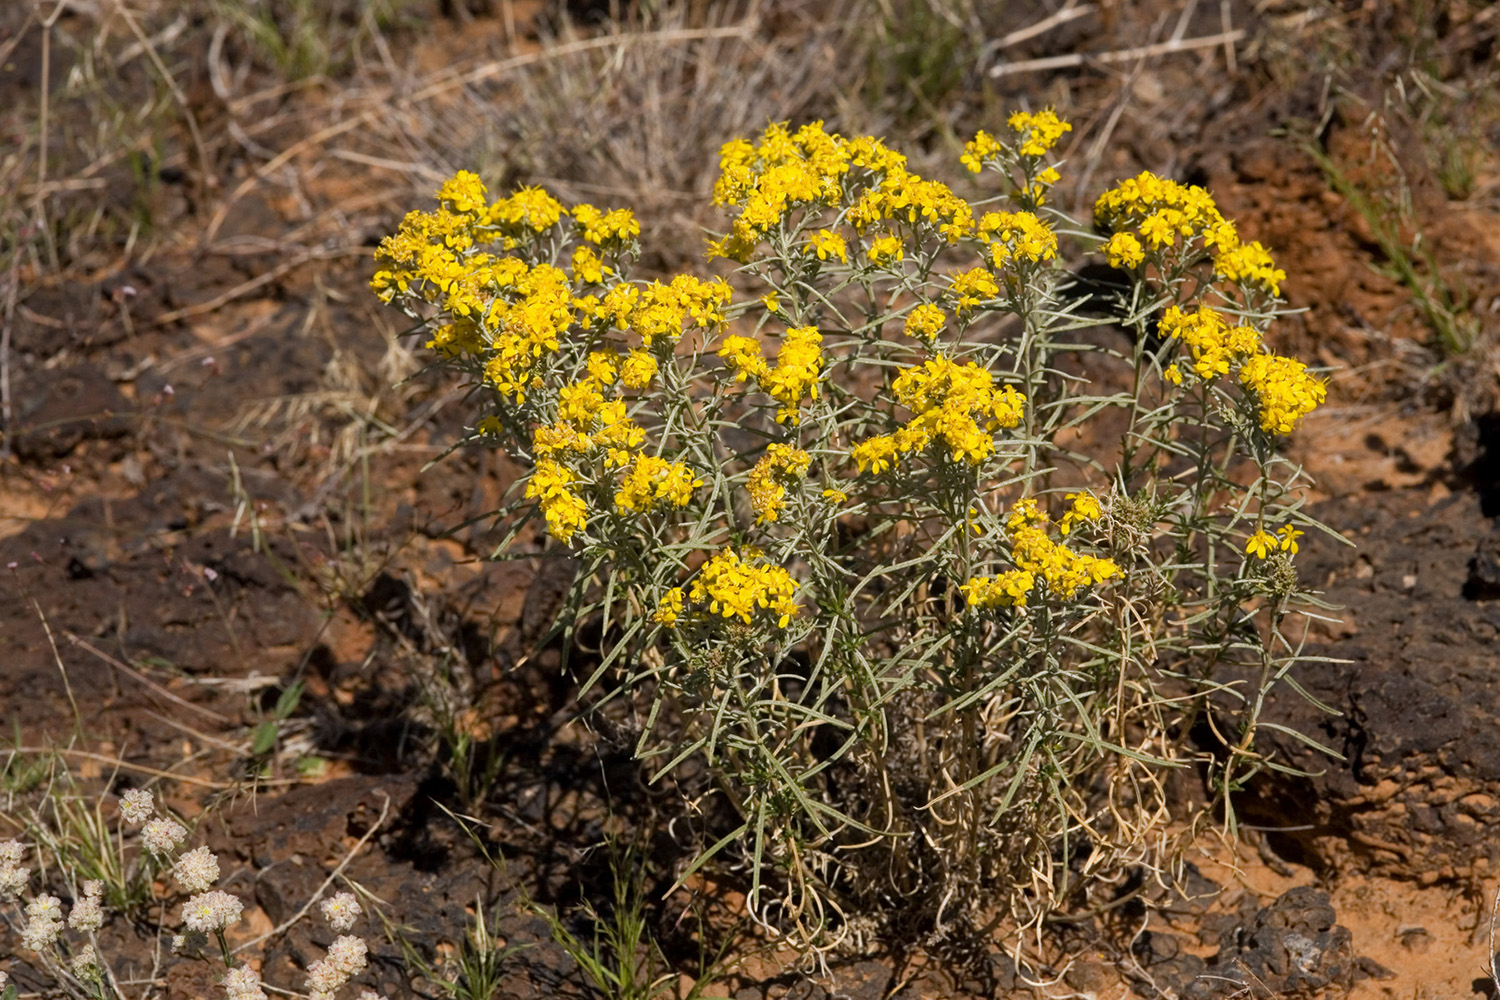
{"x": 1073, "y": 59}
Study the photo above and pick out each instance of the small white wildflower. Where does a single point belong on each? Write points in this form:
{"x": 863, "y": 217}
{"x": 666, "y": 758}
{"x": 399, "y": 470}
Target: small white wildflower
{"x": 341, "y": 910}
{"x": 243, "y": 983}
{"x": 347, "y": 955}
{"x": 162, "y": 836}
{"x": 369, "y": 994}
{"x": 323, "y": 978}
{"x": 11, "y": 853}
{"x": 12, "y": 881}
{"x": 197, "y": 870}
{"x": 4, "y": 978}
{"x": 86, "y": 963}
{"x": 211, "y": 911}
{"x": 137, "y": 806}
{"x": 43, "y": 922}
{"x": 88, "y": 913}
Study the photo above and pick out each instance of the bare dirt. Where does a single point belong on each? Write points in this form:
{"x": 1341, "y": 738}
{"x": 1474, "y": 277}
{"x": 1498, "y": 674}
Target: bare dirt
{"x": 211, "y": 491}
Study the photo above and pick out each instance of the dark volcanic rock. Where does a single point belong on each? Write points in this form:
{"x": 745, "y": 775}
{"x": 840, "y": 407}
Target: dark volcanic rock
{"x": 1291, "y": 948}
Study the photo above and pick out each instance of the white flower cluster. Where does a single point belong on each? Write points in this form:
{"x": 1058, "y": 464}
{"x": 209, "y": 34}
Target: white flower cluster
{"x": 345, "y": 958}
{"x": 136, "y": 806}
{"x": 341, "y": 910}
{"x": 86, "y": 964}
{"x": 197, "y": 870}
{"x": 162, "y": 835}
{"x": 44, "y": 922}
{"x": 13, "y": 877}
{"x": 243, "y": 983}
{"x": 87, "y": 914}
{"x": 211, "y": 911}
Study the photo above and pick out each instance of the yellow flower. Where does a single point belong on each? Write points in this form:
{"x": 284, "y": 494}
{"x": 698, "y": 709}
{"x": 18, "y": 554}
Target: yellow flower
{"x": 876, "y": 453}
{"x": 886, "y": 250}
{"x": 670, "y": 609}
{"x": 1285, "y": 390}
{"x": 1038, "y": 132}
{"x": 781, "y": 466}
{"x": 733, "y": 585}
{"x": 772, "y": 302}
{"x": 979, "y": 149}
{"x": 1172, "y": 374}
{"x": 1261, "y": 544}
{"x": 587, "y": 267}
{"x": 654, "y": 482}
{"x": 925, "y": 322}
{"x": 603, "y": 367}
{"x": 614, "y": 228}
{"x": 565, "y": 512}
{"x": 638, "y": 369}
{"x": 1008, "y": 590}
{"x": 1289, "y": 536}
{"x": 1124, "y": 251}
{"x": 835, "y": 497}
{"x": 1085, "y": 507}
{"x": 827, "y": 244}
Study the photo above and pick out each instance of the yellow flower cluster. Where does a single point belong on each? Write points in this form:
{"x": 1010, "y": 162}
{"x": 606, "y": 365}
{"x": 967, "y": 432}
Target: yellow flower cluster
{"x": 1007, "y": 590}
{"x": 1064, "y": 571}
{"x": 886, "y": 250}
{"x": 972, "y": 288}
{"x": 825, "y": 243}
{"x": 527, "y": 327}
{"x": 565, "y": 511}
{"x": 1263, "y": 543}
{"x": 1017, "y": 236}
{"x": 661, "y": 313}
{"x": 1250, "y": 264}
{"x": 811, "y": 169}
{"x": 947, "y": 401}
{"x": 925, "y": 322}
{"x": 615, "y": 228}
{"x": 780, "y": 467}
{"x": 1286, "y": 391}
{"x": 734, "y": 585}
{"x": 799, "y": 365}
{"x": 1039, "y": 131}
{"x": 528, "y": 212}
{"x": 1213, "y": 343}
{"x": 1161, "y": 212}
{"x": 979, "y": 150}
{"x": 1084, "y": 507}
{"x": 654, "y": 482}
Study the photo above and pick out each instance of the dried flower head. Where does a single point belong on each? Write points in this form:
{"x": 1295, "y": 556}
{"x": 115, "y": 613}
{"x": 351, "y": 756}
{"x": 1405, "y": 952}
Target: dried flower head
{"x": 85, "y": 964}
{"x": 197, "y": 870}
{"x": 161, "y": 836}
{"x": 341, "y": 910}
{"x": 211, "y": 911}
{"x": 136, "y": 806}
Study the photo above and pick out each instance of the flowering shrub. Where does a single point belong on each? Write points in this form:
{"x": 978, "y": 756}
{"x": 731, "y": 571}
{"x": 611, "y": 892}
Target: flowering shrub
{"x": 934, "y": 589}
